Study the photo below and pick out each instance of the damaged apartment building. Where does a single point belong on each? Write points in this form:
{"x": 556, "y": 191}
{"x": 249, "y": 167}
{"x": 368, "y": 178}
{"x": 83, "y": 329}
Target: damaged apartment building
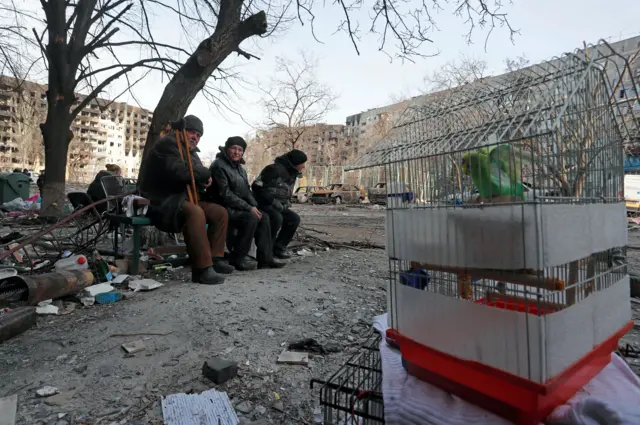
{"x": 104, "y": 132}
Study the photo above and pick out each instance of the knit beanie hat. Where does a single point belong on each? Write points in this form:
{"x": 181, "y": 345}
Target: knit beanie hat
{"x": 235, "y": 141}
{"x": 297, "y": 157}
{"x": 191, "y": 122}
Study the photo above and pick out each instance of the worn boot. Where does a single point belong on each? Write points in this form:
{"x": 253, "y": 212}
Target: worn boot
{"x": 206, "y": 276}
{"x": 273, "y": 264}
{"x": 220, "y": 265}
{"x": 281, "y": 253}
{"x": 245, "y": 264}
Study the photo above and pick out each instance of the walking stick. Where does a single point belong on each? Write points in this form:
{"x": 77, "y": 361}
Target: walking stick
{"x": 191, "y": 188}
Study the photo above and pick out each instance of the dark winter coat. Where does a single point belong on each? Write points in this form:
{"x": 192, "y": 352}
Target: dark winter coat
{"x": 274, "y": 185}
{"x": 96, "y": 191}
{"x": 164, "y": 183}
{"x": 230, "y": 184}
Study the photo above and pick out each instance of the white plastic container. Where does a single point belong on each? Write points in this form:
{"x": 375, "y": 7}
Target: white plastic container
{"x": 74, "y": 262}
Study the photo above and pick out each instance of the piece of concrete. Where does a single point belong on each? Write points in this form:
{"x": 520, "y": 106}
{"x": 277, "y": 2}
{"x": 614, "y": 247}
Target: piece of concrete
{"x": 93, "y": 290}
{"x": 47, "y": 309}
{"x": 8, "y": 408}
{"x": 47, "y": 391}
{"x": 133, "y": 346}
{"x": 244, "y": 407}
{"x": 60, "y": 399}
{"x": 144, "y": 285}
{"x": 219, "y": 370}
{"x": 292, "y": 357}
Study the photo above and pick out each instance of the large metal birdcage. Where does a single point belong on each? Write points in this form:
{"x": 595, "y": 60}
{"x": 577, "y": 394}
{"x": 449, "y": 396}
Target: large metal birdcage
{"x": 505, "y": 230}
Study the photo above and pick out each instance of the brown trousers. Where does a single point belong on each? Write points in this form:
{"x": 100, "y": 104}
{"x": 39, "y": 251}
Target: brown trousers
{"x": 202, "y": 248}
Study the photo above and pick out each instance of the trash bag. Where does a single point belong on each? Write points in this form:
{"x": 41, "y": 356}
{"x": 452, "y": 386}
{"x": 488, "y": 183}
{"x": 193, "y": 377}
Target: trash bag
{"x": 15, "y": 205}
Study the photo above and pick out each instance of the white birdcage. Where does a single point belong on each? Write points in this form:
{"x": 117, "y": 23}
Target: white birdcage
{"x": 506, "y": 285}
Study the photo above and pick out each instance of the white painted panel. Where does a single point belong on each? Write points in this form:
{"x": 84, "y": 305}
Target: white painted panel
{"x": 470, "y": 331}
{"x": 574, "y": 331}
{"x": 505, "y": 237}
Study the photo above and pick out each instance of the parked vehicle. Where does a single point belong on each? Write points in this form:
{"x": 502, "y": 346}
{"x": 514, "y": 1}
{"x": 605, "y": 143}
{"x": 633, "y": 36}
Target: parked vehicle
{"x": 302, "y": 193}
{"x": 338, "y": 194}
{"x": 632, "y": 191}
{"x": 380, "y": 193}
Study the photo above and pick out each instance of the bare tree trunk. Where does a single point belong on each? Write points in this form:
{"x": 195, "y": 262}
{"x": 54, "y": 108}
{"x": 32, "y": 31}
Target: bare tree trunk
{"x": 56, "y": 135}
{"x": 193, "y": 75}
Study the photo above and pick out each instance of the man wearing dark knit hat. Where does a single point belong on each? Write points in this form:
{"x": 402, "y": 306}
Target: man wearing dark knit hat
{"x": 231, "y": 189}
{"x": 273, "y": 189}
{"x": 164, "y": 182}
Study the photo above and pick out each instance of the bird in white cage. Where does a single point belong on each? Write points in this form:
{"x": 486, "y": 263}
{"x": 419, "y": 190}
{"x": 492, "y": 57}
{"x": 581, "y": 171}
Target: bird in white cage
{"x": 496, "y": 171}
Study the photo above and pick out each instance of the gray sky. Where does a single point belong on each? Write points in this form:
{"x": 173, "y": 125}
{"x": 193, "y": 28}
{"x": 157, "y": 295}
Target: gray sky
{"x": 547, "y": 28}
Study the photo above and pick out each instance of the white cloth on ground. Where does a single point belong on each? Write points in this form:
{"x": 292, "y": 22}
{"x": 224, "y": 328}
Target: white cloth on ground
{"x": 611, "y": 398}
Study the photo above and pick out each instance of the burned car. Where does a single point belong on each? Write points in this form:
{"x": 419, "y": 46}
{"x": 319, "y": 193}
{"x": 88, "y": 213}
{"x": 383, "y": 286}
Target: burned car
{"x": 380, "y": 193}
{"x": 303, "y": 193}
{"x": 338, "y": 194}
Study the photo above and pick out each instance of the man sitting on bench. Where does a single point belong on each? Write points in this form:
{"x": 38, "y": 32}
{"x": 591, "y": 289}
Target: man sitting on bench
{"x": 165, "y": 181}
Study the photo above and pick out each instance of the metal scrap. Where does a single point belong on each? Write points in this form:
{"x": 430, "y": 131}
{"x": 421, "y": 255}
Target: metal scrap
{"x": 30, "y": 290}
{"x": 14, "y": 322}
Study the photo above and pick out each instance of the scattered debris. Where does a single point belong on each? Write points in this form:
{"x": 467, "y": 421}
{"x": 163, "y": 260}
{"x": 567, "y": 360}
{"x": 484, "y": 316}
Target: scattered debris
{"x": 141, "y": 334}
{"x": 47, "y": 309}
{"x": 109, "y": 297}
{"x": 119, "y": 279}
{"x": 207, "y": 408}
{"x": 73, "y": 262}
{"x": 8, "y": 408}
{"x": 291, "y": 357}
{"x": 7, "y": 273}
{"x": 60, "y": 399}
{"x": 219, "y": 370}
{"x": 87, "y": 301}
{"x": 304, "y": 252}
{"x": 244, "y": 407}
{"x": 47, "y": 391}
{"x": 312, "y": 346}
{"x": 100, "y": 288}
{"x": 35, "y": 288}
{"x": 16, "y": 321}
{"x": 133, "y": 347}
{"x": 144, "y": 285}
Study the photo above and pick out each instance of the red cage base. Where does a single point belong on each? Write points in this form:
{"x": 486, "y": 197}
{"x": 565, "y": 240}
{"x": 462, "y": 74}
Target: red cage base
{"x": 514, "y": 398}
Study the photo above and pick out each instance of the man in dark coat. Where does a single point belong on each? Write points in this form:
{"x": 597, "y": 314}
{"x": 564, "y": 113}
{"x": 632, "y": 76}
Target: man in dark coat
{"x": 231, "y": 188}
{"x": 164, "y": 182}
{"x": 273, "y": 189}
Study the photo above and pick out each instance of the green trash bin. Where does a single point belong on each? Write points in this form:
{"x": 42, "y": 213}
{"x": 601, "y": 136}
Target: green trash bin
{"x": 14, "y": 185}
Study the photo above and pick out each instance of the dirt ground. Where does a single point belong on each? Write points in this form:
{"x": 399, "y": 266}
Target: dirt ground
{"x": 330, "y": 296}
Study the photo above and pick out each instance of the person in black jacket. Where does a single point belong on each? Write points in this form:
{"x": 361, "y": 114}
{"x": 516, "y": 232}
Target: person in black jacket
{"x": 231, "y": 188}
{"x": 164, "y": 182}
{"x": 273, "y": 189}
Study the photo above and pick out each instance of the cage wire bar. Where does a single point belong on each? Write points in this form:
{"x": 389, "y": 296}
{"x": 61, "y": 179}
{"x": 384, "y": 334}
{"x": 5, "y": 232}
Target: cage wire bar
{"x": 506, "y": 176}
{"x": 352, "y": 395}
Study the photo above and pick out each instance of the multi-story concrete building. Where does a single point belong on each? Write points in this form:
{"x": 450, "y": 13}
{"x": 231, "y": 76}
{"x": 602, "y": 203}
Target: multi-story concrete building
{"x": 324, "y": 144}
{"x": 104, "y": 132}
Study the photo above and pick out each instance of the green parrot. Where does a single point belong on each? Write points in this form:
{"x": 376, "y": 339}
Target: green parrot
{"x": 496, "y": 171}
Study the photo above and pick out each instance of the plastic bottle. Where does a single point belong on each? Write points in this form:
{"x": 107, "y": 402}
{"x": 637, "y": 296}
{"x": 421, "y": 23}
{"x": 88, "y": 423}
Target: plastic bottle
{"x": 74, "y": 262}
